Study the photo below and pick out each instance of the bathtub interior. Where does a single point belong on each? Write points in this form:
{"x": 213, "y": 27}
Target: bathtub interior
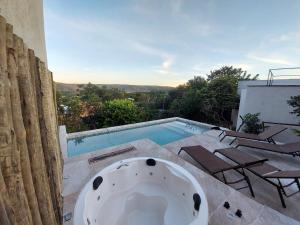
{"x": 132, "y": 192}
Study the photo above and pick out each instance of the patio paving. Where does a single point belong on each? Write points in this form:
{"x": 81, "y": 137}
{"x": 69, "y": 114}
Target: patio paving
{"x": 265, "y": 193}
{"x": 265, "y": 209}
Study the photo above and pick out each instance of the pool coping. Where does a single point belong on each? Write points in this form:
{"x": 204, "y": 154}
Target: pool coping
{"x": 64, "y": 136}
{"x": 132, "y": 126}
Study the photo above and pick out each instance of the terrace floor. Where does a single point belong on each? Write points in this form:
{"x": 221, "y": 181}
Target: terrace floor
{"x": 264, "y": 209}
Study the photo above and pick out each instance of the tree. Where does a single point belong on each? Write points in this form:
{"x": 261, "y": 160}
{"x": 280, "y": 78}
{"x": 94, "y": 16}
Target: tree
{"x": 70, "y": 110}
{"x": 92, "y": 96}
{"x": 119, "y": 112}
{"x": 228, "y": 71}
{"x": 222, "y": 85}
{"x": 88, "y": 90}
{"x": 210, "y": 100}
{"x": 224, "y": 98}
{"x": 176, "y": 93}
{"x": 197, "y": 82}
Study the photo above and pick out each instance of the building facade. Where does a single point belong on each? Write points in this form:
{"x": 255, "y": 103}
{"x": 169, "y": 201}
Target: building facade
{"x": 27, "y": 19}
{"x": 271, "y": 103}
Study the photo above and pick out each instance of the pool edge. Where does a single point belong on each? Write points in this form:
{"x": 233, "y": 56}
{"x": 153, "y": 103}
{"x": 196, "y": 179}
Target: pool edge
{"x": 64, "y": 136}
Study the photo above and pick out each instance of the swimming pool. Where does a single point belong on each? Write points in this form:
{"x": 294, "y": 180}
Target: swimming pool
{"x": 161, "y": 134}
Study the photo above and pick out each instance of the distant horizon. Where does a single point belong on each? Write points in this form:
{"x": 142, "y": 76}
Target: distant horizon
{"x": 115, "y": 84}
{"x": 168, "y": 42}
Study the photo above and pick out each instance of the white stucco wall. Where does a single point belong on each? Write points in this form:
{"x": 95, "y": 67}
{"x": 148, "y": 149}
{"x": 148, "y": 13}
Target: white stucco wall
{"x": 27, "y": 18}
{"x": 270, "y": 102}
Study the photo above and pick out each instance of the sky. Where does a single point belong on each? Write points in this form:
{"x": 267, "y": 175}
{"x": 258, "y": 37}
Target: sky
{"x": 167, "y": 42}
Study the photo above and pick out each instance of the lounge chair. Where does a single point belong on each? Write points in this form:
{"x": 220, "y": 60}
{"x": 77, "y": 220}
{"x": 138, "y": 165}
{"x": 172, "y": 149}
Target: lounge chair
{"x": 215, "y": 165}
{"x": 267, "y": 172}
{"x": 288, "y": 149}
{"x": 266, "y": 135}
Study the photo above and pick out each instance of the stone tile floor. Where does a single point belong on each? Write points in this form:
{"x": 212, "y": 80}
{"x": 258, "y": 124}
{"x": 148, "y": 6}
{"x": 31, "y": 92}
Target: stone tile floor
{"x": 264, "y": 209}
{"x": 265, "y": 193}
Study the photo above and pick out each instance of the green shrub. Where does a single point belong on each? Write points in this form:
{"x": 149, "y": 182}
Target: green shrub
{"x": 121, "y": 111}
{"x": 295, "y": 103}
{"x": 252, "y": 123}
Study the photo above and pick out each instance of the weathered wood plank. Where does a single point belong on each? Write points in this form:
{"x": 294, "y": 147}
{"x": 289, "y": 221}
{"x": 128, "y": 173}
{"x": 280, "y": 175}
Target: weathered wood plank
{"x": 3, "y": 59}
{"x": 33, "y": 137}
{"x": 7, "y": 214}
{"x": 48, "y": 126}
{"x": 20, "y": 129}
{"x": 4, "y": 141}
{"x": 9, "y": 152}
{"x": 30, "y": 165}
{"x": 4, "y": 219}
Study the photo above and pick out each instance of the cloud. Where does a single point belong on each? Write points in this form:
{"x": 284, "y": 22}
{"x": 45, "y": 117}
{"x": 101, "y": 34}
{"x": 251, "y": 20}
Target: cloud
{"x": 173, "y": 10}
{"x": 147, "y": 49}
{"x": 270, "y": 59}
{"x": 243, "y": 66}
{"x": 167, "y": 58}
{"x": 205, "y": 68}
{"x": 166, "y": 65}
{"x": 287, "y": 37}
{"x": 154, "y": 7}
{"x": 168, "y": 62}
{"x": 176, "y": 5}
{"x": 82, "y": 27}
{"x": 113, "y": 32}
{"x": 163, "y": 40}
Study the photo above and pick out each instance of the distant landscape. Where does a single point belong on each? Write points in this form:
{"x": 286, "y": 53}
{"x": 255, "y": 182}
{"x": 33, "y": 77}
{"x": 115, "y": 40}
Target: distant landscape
{"x": 93, "y": 106}
{"x": 72, "y": 88}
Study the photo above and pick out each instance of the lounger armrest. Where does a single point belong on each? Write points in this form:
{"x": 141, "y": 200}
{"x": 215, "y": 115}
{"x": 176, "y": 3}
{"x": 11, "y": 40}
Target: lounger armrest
{"x": 234, "y": 167}
{"x": 245, "y": 165}
{"x": 254, "y": 163}
{"x": 226, "y": 153}
{"x": 219, "y": 150}
{"x": 284, "y": 174}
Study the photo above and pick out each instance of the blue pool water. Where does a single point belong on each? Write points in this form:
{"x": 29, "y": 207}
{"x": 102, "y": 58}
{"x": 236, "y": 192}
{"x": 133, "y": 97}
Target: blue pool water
{"x": 161, "y": 134}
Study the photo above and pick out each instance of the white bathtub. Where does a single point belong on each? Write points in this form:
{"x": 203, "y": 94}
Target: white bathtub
{"x": 142, "y": 191}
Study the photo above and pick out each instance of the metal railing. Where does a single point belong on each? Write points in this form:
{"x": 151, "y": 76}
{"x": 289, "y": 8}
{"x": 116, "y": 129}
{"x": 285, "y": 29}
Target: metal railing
{"x": 271, "y": 75}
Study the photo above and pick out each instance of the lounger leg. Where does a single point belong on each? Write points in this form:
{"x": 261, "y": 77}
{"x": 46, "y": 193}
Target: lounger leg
{"x": 232, "y": 141}
{"x": 225, "y": 181}
{"x": 179, "y": 151}
{"x": 271, "y": 140}
{"x": 248, "y": 182}
{"x": 281, "y": 197}
{"x": 221, "y": 133}
{"x": 298, "y": 183}
{"x": 223, "y": 138}
{"x": 281, "y": 187}
{"x": 250, "y": 186}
